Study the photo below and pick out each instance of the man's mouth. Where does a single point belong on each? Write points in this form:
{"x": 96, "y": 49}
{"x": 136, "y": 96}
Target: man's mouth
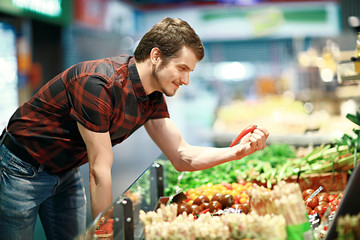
{"x": 176, "y": 85}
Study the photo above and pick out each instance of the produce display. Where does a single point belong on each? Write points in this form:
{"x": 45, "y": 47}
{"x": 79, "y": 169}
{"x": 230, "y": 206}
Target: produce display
{"x": 165, "y": 223}
{"x": 274, "y": 163}
{"x": 282, "y": 116}
{"x": 255, "y": 197}
{"x": 321, "y": 202}
{"x": 348, "y": 227}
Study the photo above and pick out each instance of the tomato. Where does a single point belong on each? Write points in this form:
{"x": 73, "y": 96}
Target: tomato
{"x": 333, "y": 207}
{"x": 201, "y": 199}
{"x": 184, "y": 207}
{"x": 332, "y": 197}
{"x": 312, "y": 202}
{"x": 217, "y": 197}
{"x": 324, "y": 198}
{"x": 320, "y": 209}
{"x": 215, "y": 206}
{"x": 313, "y": 212}
{"x": 227, "y": 201}
{"x": 204, "y": 205}
{"x": 336, "y": 202}
{"x": 246, "y": 207}
{"x": 238, "y": 206}
{"x": 308, "y": 210}
{"x": 237, "y": 199}
{"x": 307, "y": 192}
{"x": 196, "y": 209}
{"x": 227, "y": 185}
{"x": 242, "y": 182}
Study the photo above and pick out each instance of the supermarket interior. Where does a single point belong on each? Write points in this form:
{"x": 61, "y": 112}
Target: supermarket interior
{"x": 291, "y": 66}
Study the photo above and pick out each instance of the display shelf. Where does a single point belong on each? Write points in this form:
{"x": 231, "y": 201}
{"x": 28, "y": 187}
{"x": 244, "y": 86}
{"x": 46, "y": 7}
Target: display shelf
{"x": 348, "y": 72}
{"x": 123, "y": 214}
{"x": 121, "y": 220}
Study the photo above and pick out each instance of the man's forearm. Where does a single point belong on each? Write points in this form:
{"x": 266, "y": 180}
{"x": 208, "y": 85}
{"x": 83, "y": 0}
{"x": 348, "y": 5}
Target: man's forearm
{"x": 101, "y": 193}
{"x": 198, "y": 158}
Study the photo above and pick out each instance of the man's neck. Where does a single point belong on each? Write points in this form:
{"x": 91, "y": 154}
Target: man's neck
{"x": 145, "y": 72}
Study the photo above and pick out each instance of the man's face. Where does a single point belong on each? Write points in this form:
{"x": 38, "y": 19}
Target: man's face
{"x": 169, "y": 77}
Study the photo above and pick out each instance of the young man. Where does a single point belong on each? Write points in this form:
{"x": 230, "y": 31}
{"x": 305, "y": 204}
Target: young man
{"x": 80, "y": 114}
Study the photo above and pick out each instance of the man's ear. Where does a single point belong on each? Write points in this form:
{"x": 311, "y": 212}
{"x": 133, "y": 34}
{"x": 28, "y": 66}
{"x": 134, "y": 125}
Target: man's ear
{"x": 155, "y": 55}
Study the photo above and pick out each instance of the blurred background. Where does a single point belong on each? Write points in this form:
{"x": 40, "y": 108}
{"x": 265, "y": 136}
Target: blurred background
{"x": 285, "y": 65}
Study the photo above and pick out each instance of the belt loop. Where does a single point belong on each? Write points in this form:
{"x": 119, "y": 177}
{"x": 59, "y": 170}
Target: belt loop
{"x": 41, "y": 168}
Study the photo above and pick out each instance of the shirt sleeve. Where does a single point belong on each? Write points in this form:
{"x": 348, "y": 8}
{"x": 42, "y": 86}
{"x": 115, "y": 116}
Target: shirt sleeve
{"x": 90, "y": 102}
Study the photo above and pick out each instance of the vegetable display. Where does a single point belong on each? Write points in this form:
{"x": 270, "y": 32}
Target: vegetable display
{"x": 164, "y": 223}
{"x": 348, "y": 227}
{"x": 274, "y": 163}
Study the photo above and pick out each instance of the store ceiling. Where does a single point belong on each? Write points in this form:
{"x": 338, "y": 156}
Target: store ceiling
{"x": 151, "y": 4}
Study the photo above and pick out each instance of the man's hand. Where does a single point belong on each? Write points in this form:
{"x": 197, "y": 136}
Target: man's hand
{"x": 252, "y": 142}
{"x": 100, "y": 155}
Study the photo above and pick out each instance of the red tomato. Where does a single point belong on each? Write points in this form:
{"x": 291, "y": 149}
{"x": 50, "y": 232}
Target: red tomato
{"x": 333, "y": 207}
{"x": 237, "y": 199}
{"x": 313, "y": 212}
{"x": 312, "y": 202}
{"x": 320, "y": 209}
{"x": 336, "y": 202}
{"x": 308, "y": 210}
{"x": 227, "y": 185}
{"x": 324, "y": 198}
{"x": 307, "y": 192}
{"x": 242, "y": 182}
{"x": 332, "y": 197}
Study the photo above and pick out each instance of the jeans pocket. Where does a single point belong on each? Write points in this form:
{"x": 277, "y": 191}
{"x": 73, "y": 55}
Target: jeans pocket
{"x": 18, "y": 168}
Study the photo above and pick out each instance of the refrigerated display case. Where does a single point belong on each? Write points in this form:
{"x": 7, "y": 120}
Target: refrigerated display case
{"x": 122, "y": 219}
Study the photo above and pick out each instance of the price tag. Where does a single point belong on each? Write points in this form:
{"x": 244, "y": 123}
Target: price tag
{"x": 314, "y": 220}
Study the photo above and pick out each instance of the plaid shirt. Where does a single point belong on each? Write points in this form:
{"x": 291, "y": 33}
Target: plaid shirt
{"x": 102, "y": 95}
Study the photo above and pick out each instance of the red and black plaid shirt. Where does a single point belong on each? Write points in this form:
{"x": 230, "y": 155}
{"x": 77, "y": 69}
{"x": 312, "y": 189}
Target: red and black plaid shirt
{"x": 102, "y": 95}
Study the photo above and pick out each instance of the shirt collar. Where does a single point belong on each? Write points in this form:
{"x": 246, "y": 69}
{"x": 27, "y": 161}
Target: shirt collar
{"x": 137, "y": 85}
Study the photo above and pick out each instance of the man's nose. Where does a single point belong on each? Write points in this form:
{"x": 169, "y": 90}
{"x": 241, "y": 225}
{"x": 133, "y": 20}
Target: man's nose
{"x": 185, "y": 79}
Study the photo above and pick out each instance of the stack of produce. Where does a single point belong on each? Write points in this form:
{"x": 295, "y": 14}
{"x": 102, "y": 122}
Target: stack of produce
{"x": 285, "y": 200}
{"x": 279, "y": 114}
{"x": 166, "y": 224}
{"x": 321, "y": 202}
{"x": 348, "y": 227}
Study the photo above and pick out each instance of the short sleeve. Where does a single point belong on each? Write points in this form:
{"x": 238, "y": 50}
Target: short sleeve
{"x": 90, "y": 102}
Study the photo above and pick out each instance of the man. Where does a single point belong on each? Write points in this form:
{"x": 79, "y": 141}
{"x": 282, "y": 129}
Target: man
{"x": 80, "y": 114}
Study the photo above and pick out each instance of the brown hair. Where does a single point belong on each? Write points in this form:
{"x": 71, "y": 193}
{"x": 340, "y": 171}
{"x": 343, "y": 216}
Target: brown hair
{"x": 170, "y": 36}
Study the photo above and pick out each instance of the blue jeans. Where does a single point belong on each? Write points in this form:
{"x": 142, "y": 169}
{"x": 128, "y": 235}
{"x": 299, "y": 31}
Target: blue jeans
{"x": 26, "y": 191}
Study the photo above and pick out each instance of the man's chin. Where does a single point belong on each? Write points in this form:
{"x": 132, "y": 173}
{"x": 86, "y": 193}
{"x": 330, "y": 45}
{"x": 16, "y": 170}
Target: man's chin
{"x": 169, "y": 94}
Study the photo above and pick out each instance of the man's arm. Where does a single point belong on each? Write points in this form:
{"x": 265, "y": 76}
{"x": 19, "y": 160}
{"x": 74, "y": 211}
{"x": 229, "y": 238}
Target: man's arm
{"x": 186, "y": 157}
{"x": 100, "y": 155}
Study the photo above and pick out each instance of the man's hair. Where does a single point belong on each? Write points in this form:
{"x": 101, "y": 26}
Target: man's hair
{"x": 170, "y": 35}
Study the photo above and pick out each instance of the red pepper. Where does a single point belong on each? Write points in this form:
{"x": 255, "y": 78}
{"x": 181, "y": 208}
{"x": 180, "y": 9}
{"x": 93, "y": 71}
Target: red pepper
{"x": 247, "y": 130}
{"x": 204, "y": 211}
